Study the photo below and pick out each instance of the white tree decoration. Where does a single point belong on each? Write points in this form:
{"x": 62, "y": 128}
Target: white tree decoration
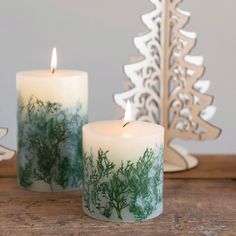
{"x": 165, "y": 87}
{"x": 5, "y": 154}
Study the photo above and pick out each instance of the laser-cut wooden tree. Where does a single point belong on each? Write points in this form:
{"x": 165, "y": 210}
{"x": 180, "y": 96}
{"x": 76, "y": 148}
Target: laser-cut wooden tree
{"x": 5, "y": 154}
{"x": 165, "y": 86}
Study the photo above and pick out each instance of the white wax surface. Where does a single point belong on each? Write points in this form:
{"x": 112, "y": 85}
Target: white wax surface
{"x": 66, "y": 87}
{"x": 123, "y": 143}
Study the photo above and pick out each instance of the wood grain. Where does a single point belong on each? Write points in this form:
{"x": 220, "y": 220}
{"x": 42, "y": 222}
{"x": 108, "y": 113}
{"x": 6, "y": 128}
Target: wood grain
{"x": 211, "y": 166}
{"x": 192, "y": 207}
{"x": 197, "y": 202}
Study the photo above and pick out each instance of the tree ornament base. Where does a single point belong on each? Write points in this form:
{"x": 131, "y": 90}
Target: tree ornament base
{"x": 190, "y": 161}
{"x": 5, "y": 153}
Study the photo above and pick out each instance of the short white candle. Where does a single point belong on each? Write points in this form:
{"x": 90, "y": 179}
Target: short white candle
{"x": 123, "y": 170}
{"x": 52, "y": 108}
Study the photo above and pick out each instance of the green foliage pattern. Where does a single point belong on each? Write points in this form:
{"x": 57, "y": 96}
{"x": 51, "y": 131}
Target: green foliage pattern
{"x": 49, "y": 144}
{"x": 136, "y": 187}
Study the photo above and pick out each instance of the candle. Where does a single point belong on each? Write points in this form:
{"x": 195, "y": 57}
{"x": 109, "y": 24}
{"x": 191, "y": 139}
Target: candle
{"x": 52, "y": 108}
{"x": 123, "y": 170}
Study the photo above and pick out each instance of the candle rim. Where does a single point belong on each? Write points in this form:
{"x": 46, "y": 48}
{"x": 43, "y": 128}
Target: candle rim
{"x": 43, "y": 74}
{"x": 157, "y": 130}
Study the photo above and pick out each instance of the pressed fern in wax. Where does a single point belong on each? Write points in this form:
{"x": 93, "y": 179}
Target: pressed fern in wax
{"x": 52, "y": 108}
{"x": 123, "y": 170}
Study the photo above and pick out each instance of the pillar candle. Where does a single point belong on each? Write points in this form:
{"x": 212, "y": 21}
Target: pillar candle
{"x": 123, "y": 170}
{"x": 52, "y": 108}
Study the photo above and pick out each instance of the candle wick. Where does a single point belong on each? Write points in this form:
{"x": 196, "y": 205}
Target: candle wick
{"x": 126, "y": 124}
{"x": 53, "y": 70}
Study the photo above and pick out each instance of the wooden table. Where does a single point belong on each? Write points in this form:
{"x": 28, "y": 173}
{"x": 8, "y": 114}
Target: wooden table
{"x": 197, "y": 202}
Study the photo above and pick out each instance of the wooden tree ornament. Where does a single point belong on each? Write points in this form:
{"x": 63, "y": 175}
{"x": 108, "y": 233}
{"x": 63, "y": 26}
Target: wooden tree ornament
{"x": 5, "y": 154}
{"x": 165, "y": 86}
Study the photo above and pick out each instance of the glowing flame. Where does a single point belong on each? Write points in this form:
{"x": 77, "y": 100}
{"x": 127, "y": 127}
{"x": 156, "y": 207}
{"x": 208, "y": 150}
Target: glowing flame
{"x": 54, "y": 60}
{"x": 128, "y": 113}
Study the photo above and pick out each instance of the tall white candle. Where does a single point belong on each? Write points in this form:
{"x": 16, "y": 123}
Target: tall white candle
{"x": 123, "y": 170}
{"x": 66, "y": 87}
{"x": 52, "y": 108}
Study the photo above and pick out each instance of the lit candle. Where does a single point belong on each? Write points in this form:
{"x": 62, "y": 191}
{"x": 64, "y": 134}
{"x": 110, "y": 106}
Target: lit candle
{"x": 52, "y": 108}
{"x": 123, "y": 170}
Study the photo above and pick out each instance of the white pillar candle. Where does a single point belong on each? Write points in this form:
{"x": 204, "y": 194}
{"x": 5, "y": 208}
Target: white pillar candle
{"x": 123, "y": 170}
{"x": 52, "y": 108}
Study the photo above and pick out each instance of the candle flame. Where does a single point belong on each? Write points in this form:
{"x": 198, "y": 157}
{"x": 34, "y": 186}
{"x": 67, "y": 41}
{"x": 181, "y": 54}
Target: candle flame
{"x": 54, "y": 60}
{"x": 128, "y": 113}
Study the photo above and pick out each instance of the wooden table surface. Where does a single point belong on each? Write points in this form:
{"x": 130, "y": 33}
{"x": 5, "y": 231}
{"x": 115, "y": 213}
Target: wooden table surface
{"x": 197, "y": 202}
